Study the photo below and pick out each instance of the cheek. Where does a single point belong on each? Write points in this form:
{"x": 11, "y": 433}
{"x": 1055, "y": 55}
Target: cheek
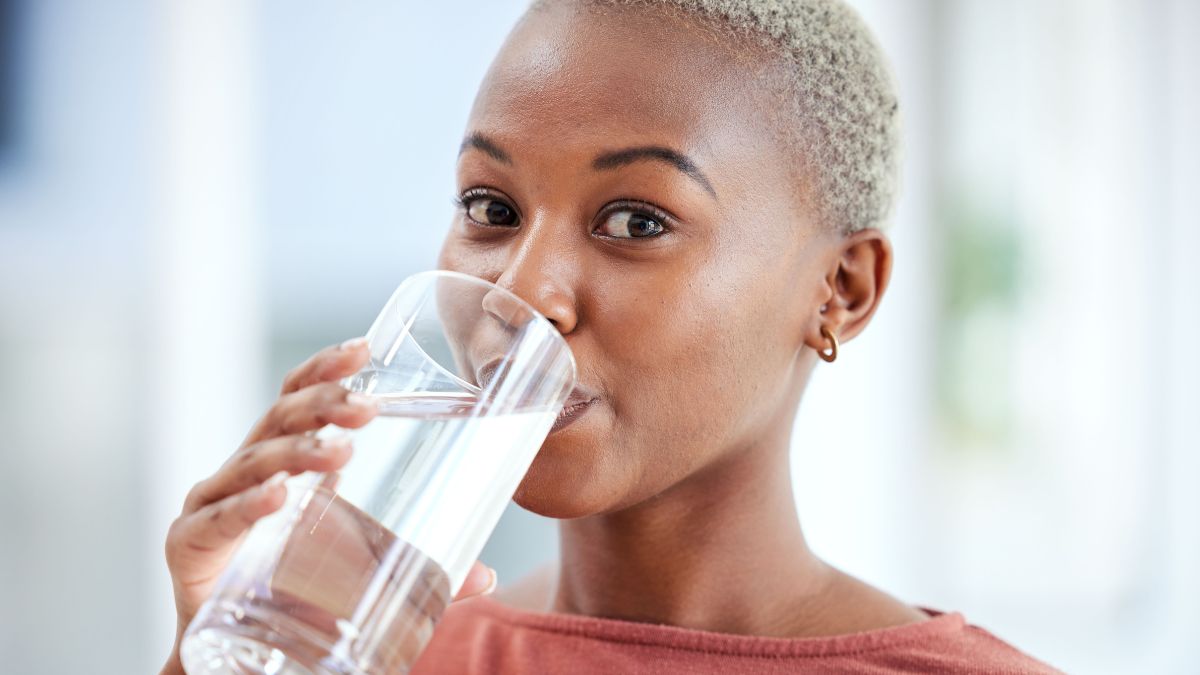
{"x": 664, "y": 365}
{"x": 675, "y": 363}
{"x": 460, "y": 255}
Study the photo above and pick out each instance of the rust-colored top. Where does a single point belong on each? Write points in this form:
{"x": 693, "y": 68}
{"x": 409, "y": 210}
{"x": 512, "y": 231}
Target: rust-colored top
{"x": 481, "y": 635}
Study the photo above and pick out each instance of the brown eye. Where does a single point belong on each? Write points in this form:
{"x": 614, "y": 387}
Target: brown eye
{"x": 489, "y": 211}
{"x": 630, "y": 224}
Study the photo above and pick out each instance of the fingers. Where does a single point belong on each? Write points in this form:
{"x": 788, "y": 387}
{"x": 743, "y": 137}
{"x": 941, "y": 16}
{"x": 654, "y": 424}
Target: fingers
{"x": 312, "y": 408}
{"x": 331, "y": 363}
{"x": 481, "y": 580}
{"x": 195, "y": 541}
{"x": 293, "y": 454}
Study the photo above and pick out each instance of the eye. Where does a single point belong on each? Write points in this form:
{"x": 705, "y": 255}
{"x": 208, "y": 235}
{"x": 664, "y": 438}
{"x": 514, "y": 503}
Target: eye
{"x": 630, "y": 224}
{"x": 487, "y": 210}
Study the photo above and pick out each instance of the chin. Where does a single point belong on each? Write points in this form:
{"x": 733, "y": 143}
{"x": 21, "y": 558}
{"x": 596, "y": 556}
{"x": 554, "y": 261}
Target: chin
{"x": 565, "y": 485}
{"x": 566, "y": 478}
{"x": 556, "y": 486}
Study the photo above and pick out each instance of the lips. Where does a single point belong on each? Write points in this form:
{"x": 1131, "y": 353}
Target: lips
{"x": 571, "y": 412}
{"x": 484, "y": 375}
{"x": 580, "y": 395}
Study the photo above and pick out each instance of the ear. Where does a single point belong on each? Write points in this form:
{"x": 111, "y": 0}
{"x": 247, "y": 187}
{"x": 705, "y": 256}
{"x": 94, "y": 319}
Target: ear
{"x": 858, "y": 274}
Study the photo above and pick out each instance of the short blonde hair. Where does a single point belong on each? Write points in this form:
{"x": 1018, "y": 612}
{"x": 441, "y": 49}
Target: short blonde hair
{"x": 847, "y": 121}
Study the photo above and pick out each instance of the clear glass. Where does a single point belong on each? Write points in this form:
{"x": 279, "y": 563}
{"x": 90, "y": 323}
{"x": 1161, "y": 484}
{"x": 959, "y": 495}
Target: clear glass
{"x": 352, "y": 574}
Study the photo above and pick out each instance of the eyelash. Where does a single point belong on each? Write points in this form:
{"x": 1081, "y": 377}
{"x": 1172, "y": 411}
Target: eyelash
{"x": 460, "y": 201}
{"x": 636, "y": 205}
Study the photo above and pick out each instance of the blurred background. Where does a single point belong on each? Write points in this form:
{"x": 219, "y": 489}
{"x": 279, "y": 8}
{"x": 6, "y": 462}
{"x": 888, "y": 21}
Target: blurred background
{"x": 194, "y": 196}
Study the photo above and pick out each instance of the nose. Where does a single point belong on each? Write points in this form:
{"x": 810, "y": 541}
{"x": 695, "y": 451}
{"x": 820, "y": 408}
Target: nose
{"x": 537, "y": 272}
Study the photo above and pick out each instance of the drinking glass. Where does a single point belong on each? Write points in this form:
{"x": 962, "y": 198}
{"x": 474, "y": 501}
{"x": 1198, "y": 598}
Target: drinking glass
{"x": 353, "y": 572}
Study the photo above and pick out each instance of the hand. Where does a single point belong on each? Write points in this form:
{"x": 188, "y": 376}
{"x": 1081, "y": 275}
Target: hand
{"x": 220, "y": 509}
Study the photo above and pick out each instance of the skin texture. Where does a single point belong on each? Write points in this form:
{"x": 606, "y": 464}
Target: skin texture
{"x": 696, "y": 343}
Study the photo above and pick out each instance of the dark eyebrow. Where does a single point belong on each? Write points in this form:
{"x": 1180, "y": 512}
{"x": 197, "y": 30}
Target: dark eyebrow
{"x": 480, "y": 142}
{"x": 616, "y": 158}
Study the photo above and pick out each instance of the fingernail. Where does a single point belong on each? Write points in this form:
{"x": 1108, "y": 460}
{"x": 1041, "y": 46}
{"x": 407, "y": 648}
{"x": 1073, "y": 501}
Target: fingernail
{"x": 314, "y": 446}
{"x": 492, "y": 584}
{"x": 336, "y": 443}
{"x": 275, "y": 481}
{"x": 353, "y": 343}
{"x": 357, "y": 399}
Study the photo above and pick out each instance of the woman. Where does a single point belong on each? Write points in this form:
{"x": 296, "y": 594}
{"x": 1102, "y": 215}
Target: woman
{"x": 693, "y": 192}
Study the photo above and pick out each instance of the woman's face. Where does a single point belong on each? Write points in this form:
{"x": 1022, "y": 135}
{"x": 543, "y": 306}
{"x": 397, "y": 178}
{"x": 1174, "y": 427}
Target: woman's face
{"x": 621, "y": 174}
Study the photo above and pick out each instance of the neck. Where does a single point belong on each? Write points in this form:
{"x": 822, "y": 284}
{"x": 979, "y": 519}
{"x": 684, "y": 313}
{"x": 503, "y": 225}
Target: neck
{"x": 721, "y": 551}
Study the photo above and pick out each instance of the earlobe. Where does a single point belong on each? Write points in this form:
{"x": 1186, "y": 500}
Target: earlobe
{"x": 830, "y": 355}
{"x": 827, "y": 319}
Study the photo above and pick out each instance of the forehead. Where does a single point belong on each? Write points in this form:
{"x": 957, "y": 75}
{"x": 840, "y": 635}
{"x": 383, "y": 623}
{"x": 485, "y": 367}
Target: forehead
{"x": 596, "y": 78}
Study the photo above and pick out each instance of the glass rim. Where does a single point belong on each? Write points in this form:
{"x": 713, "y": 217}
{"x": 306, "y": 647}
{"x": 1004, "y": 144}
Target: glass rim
{"x": 479, "y": 281}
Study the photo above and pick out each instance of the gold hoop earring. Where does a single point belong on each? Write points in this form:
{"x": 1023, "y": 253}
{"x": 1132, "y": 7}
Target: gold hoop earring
{"x": 831, "y": 355}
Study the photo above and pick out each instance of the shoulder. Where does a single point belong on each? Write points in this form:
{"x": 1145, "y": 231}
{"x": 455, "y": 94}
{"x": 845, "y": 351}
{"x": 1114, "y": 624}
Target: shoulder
{"x": 967, "y": 648}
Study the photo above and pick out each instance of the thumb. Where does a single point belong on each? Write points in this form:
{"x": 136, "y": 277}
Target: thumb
{"x": 481, "y": 580}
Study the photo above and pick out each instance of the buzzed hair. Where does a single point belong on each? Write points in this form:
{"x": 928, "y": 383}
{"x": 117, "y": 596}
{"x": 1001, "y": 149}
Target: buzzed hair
{"x": 843, "y": 114}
